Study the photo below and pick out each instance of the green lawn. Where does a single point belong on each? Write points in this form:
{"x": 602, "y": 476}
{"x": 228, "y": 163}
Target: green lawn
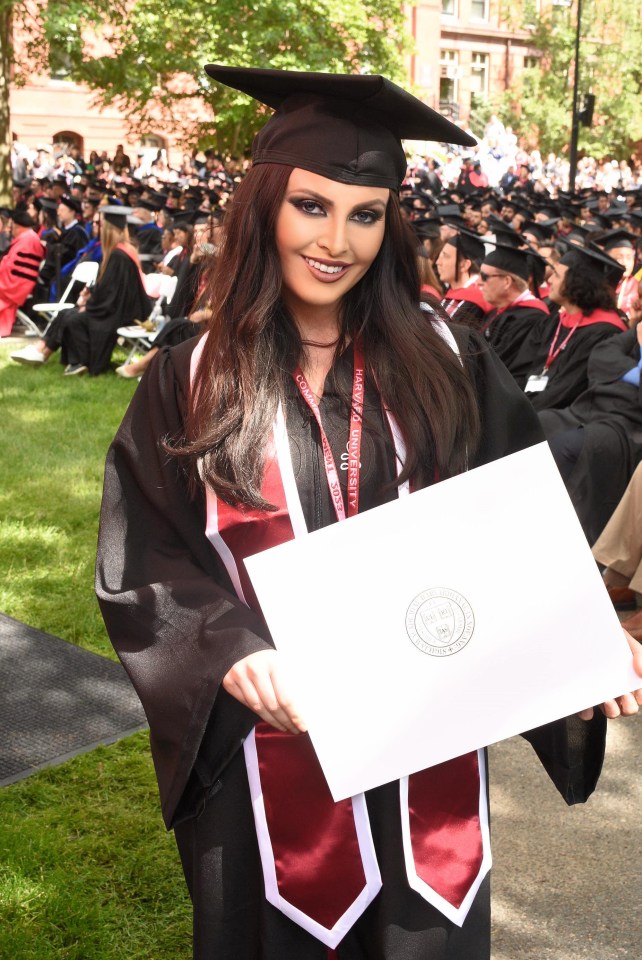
{"x": 86, "y": 868}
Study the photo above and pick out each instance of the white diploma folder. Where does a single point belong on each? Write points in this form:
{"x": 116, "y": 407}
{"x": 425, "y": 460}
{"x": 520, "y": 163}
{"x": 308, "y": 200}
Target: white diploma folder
{"x": 442, "y": 622}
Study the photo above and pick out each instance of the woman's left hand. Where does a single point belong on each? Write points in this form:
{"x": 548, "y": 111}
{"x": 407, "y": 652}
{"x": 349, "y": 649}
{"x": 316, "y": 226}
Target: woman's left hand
{"x": 629, "y": 703}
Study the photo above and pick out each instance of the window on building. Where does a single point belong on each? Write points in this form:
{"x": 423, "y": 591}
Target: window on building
{"x": 479, "y": 75}
{"x": 62, "y": 48}
{"x": 531, "y": 63}
{"x": 449, "y": 7}
{"x": 479, "y": 9}
{"x": 448, "y": 77}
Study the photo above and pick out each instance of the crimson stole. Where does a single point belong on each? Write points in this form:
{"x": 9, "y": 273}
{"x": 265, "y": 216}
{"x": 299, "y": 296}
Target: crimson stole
{"x": 318, "y": 856}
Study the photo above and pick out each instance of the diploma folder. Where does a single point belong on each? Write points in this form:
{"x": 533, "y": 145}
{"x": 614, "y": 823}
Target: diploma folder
{"x": 447, "y": 620}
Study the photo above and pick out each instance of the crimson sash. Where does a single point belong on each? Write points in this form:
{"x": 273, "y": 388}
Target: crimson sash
{"x": 319, "y": 863}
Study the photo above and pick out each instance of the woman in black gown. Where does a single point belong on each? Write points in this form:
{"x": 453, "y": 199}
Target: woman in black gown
{"x": 231, "y": 445}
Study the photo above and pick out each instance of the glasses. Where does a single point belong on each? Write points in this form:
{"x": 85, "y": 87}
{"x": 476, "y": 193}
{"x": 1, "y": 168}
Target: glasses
{"x": 490, "y": 276}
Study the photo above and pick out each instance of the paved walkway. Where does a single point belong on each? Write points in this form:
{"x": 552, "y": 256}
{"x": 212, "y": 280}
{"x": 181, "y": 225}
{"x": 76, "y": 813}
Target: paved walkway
{"x": 567, "y": 880}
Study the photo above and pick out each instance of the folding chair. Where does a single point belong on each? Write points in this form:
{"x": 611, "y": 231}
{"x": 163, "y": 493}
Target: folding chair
{"x": 138, "y": 339}
{"x": 84, "y": 273}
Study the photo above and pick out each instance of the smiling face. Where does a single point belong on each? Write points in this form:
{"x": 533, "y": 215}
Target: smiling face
{"x": 327, "y": 236}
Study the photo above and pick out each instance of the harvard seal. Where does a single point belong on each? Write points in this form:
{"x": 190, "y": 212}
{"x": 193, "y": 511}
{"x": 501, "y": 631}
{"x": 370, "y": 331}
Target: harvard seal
{"x": 440, "y": 621}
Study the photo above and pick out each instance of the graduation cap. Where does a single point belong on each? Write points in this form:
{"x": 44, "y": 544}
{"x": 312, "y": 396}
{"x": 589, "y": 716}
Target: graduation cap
{"x": 147, "y": 204}
{"x": 425, "y": 228}
{"x": 616, "y": 239}
{"x": 70, "y": 202}
{"x": 184, "y": 218}
{"x": 540, "y": 231}
{"x": 45, "y": 203}
{"x": 520, "y": 262}
{"x": 347, "y": 127}
{"x": 118, "y": 216}
{"x": 506, "y": 235}
{"x": 469, "y": 245}
{"x": 593, "y": 260}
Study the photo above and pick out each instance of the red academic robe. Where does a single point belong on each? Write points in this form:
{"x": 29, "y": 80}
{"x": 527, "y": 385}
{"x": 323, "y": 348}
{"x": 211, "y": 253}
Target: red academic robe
{"x": 18, "y": 275}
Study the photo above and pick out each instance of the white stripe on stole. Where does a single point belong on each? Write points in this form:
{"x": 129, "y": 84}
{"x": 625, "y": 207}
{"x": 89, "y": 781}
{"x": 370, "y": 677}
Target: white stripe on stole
{"x": 456, "y": 914}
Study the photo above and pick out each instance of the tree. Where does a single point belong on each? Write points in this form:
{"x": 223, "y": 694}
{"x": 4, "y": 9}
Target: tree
{"x": 6, "y": 59}
{"x": 147, "y": 56}
{"x": 611, "y": 40}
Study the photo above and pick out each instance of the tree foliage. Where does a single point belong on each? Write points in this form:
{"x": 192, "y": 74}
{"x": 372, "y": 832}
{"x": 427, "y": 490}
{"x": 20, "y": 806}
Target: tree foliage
{"x": 610, "y": 68}
{"x": 149, "y": 54}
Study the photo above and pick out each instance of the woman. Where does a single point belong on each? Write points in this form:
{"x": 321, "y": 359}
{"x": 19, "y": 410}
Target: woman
{"x": 314, "y": 297}
{"x": 87, "y": 335}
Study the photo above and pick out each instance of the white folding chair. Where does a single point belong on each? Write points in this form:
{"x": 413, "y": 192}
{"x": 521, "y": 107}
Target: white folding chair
{"x": 136, "y": 337}
{"x": 84, "y": 273}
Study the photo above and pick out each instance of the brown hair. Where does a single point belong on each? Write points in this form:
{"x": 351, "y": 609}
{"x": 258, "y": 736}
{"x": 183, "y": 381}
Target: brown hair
{"x": 110, "y": 237}
{"x": 254, "y": 343}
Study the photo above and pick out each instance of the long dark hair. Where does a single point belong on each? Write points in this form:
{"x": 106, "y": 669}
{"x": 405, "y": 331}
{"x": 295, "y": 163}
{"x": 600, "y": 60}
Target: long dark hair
{"x": 254, "y": 343}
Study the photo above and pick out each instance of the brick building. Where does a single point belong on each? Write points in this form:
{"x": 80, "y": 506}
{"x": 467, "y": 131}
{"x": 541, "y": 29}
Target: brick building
{"x": 463, "y": 50}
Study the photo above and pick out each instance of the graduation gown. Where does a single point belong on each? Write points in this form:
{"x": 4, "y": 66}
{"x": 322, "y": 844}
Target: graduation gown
{"x": 568, "y": 372}
{"x": 609, "y": 413}
{"x": 178, "y": 627}
{"x": 67, "y": 244}
{"x": 466, "y": 305}
{"x": 18, "y": 275}
{"x": 117, "y": 300}
{"x": 507, "y": 329}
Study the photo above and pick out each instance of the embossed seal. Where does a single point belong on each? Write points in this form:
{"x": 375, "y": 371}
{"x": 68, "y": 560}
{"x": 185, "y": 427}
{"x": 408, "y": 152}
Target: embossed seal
{"x": 440, "y": 622}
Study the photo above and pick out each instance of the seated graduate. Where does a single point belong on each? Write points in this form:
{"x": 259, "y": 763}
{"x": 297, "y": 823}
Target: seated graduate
{"x": 552, "y": 362}
{"x": 621, "y": 246}
{"x": 459, "y": 265}
{"x": 18, "y": 267}
{"x": 178, "y": 329}
{"x": 597, "y": 440}
{"x": 505, "y": 278}
{"x": 87, "y": 334}
{"x": 230, "y": 444}
{"x": 619, "y": 549}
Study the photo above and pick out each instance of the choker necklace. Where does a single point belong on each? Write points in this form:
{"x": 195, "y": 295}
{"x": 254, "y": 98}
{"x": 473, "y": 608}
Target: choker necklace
{"x": 315, "y": 343}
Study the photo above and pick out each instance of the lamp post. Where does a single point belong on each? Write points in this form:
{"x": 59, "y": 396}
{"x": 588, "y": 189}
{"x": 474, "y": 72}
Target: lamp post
{"x": 575, "y": 122}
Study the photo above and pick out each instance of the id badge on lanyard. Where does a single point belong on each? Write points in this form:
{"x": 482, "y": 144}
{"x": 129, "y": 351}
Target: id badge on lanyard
{"x": 536, "y": 383}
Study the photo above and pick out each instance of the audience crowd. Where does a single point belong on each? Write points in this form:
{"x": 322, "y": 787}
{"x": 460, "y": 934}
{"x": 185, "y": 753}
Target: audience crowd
{"x": 552, "y": 279}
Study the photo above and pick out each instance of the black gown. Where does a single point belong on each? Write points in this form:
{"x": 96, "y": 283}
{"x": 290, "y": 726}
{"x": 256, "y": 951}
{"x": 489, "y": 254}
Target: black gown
{"x": 118, "y": 299}
{"x": 507, "y": 329}
{"x": 178, "y": 627}
{"x": 609, "y": 415}
{"x": 568, "y": 373}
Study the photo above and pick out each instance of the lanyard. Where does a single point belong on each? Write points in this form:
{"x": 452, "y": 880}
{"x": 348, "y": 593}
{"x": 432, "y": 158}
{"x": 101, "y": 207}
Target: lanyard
{"x": 354, "y": 442}
{"x": 553, "y": 353}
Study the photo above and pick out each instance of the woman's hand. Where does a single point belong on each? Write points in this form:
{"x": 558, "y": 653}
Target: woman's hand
{"x": 254, "y": 681}
{"x": 628, "y": 704}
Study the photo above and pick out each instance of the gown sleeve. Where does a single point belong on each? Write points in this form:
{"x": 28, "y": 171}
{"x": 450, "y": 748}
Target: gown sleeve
{"x": 166, "y": 599}
{"x": 571, "y": 750}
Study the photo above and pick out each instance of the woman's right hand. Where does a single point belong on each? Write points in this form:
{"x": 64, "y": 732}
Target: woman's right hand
{"x": 254, "y": 681}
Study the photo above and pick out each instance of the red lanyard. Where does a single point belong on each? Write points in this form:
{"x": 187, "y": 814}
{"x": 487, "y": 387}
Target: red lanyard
{"x": 354, "y": 442}
{"x": 553, "y": 354}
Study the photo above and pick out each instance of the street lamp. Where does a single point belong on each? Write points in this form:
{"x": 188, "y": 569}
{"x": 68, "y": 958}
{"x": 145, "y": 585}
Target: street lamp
{"x": 575, "y": 122}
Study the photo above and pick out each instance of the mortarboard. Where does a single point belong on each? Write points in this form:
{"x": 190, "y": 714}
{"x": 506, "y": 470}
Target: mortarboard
{"x": 347, "y": 127}
{"x": 520, "y": 262}
{"x": 118, "y": 216}
{"x": 595, "y": 261}
{"x": 70, "y": 202}
{"x": 616, "y": 239}
{"x": 469, "y": 245}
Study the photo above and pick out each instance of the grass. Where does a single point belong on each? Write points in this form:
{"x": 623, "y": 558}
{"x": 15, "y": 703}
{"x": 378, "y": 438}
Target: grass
{"x": 87, "y": 871}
